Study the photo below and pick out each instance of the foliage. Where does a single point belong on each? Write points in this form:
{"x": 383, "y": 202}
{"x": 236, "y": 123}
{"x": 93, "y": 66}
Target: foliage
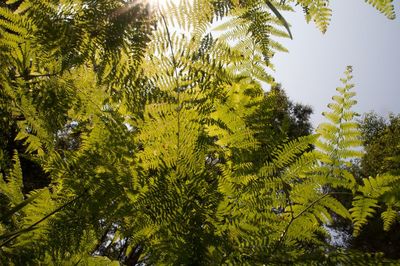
{"x": 320, "y": 13}
{"x": 379, "y": 139}
{"x": 340, "y": 136}
{"x": 275, "y": 120}
{"x": 154, "y": 146}
{"x": 382, "y": 145}
{"x": 381, "y": 158}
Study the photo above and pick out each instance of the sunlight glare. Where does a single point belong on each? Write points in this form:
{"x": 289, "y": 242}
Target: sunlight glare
{"x": 162, "y": 3}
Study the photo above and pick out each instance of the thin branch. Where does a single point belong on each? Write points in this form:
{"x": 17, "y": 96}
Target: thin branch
{"x": 32, "y": 76}
{"x": 294, "y": 217}
{"x": 16, "y": 234}
{"x": 175, "y": 66}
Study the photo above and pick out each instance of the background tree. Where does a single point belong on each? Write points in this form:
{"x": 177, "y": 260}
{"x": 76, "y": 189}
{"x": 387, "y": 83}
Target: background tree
{"x": 277, "y": 120}
{"x": 381, "y": 144}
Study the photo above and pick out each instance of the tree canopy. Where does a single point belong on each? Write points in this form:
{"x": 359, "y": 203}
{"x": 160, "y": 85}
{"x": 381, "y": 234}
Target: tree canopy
{"x": 131, "y": 135}
{"x": 382, "y": 144}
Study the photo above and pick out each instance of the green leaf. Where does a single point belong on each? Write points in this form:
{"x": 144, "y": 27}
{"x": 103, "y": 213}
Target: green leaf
{"x": 280, "y": 17}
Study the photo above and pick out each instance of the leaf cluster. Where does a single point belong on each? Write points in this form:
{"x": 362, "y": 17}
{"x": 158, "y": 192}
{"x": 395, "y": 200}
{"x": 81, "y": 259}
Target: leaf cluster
{"x": 137, "y": 137}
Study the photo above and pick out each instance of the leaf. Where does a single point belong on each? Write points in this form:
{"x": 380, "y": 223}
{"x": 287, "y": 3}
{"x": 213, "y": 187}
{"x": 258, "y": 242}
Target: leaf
{"x": 384, "y": 6}
{"x": 362, "y": 209}
{"x": 18, "y": 207}
{"x": 280, "y": 17}
{"x": 389, "y": 217}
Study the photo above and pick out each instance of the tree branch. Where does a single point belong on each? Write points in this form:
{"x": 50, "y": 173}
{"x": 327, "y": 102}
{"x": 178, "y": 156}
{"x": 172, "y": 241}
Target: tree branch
{"x": 294, "y": 217}
{"x": 17, "y": 233}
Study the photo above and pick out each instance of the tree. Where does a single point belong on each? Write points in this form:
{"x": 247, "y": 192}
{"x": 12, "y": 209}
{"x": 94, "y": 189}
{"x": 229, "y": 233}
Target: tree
{"x": 381, "y": 145}
{"x": 61, "y": 62}
{"x": 149, "y": 140}
{"x": 277, "y": 120}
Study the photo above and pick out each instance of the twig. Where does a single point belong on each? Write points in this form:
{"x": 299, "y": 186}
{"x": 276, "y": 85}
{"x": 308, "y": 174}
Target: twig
{"x": 294, "y": 217}
{"x": 14, "y": 235}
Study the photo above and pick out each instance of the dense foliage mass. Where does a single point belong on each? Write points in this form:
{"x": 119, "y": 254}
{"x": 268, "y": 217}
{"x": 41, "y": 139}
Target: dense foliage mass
{"x": 131, "y": 135}
{"x": 381, "y": 144}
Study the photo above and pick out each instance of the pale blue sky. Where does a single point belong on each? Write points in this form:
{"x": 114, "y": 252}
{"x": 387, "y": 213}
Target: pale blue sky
{"x": 359, "y": 36}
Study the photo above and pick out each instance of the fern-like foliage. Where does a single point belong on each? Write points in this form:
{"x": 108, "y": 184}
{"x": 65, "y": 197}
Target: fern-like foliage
{"x": 340, "y": 137}
{"x": 339, "y": 142}
{"x": 384, "y": 6}
{"x": 320, "y": 13}
{"x": 11, "y": 187}
{"x": 374, "y": 190}
{"x": 128, "y": 138}
{"x": 251, "y": 30}
{"x": 56, "y": 112}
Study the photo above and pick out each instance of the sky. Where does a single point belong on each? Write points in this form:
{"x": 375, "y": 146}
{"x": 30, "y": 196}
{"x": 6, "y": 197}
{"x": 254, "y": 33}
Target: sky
{"x": 359, "y": 36}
